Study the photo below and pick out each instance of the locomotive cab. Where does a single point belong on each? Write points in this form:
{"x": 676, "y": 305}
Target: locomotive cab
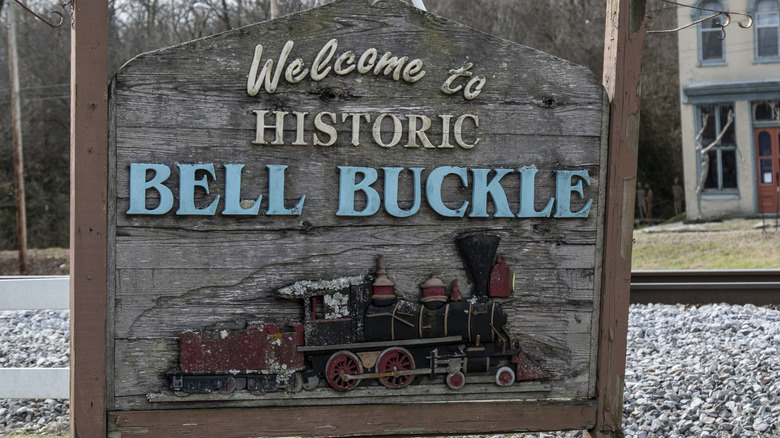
{"x": 332, "y": 309}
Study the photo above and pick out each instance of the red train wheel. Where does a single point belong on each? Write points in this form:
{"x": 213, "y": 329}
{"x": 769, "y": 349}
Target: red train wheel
{"x": 505, "y": 376}
{"x": 340, "y": 364}
{"x": 230, "y": 385}
{"x": 395, "y": 359}
{"x": 456, "y": 380}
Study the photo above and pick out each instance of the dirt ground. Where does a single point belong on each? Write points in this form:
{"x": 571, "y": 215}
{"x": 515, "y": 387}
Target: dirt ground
{"x": 53, "y": 261}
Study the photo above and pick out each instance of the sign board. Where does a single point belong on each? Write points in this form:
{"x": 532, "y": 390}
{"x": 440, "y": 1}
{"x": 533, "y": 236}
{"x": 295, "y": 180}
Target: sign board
{"x": 360, "y": 204}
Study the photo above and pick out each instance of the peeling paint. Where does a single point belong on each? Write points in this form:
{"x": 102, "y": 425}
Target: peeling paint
{"x": 307, "y": 288}
{"x": 336, "y": 306}
{"x": 324, "y": 426}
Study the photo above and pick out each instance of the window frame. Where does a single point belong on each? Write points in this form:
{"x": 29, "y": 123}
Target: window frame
{"x": 753, "y": 11}
{"x": 697, "y": 14}
{"x": 718, "y": 150}
{"x": 773, "y": 106}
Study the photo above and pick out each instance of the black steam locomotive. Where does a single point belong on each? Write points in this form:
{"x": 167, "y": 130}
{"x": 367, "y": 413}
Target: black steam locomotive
{"x": 356, "y": 330}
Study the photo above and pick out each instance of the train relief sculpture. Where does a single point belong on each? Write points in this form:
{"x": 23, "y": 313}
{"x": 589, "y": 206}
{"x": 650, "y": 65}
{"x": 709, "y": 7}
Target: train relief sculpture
{"x": 356, "y": 329}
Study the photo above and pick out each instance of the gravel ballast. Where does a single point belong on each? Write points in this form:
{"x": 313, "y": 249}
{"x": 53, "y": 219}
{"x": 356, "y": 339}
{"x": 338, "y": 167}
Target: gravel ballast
{"x": 704, "y": 371}
{"x": 31, "y": 339}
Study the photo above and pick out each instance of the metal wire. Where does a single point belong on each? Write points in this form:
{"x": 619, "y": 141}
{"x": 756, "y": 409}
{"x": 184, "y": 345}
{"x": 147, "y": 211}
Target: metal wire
{"x": 715, "y": 13}
{"x": 47, "y": 22}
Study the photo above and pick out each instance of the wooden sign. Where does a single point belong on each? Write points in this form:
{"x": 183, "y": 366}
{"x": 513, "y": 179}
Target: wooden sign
{"x": 360, "y": 204}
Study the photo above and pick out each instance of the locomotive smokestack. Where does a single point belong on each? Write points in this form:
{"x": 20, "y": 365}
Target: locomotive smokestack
{"x": 478, "y": 250}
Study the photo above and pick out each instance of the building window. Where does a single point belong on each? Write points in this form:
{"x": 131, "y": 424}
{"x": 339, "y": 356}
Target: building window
{"x": 717, "y": 147}
{"x": 766, "y": 111}
{"x": 712, "y": 50}
{"x": 767, "y": 16}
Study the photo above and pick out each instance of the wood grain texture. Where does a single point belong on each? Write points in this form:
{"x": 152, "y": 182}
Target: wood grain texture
{"x": 625, "y": 32}
{"x": 88, "y": 220}
{"x": 358, "y": 420}
{"x": 189, "y": 104}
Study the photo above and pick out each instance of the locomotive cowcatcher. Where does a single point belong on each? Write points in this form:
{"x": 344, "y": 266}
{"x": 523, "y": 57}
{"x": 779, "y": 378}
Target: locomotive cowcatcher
{"x": 355, "y": 330}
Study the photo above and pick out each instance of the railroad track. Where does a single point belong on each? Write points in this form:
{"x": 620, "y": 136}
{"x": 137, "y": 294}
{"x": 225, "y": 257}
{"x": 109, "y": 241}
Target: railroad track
{"x": 758, "y": 287}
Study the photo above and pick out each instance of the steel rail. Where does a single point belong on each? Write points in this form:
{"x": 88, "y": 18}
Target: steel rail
{"x": 758, "y": 287}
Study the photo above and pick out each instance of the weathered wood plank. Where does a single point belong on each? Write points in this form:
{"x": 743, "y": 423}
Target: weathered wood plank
{"x": 165, "y": 312}
{"x": 324, "y": 397}
{"x": 319, "y": 221}
{"x": 567, "y": 120}
{"x": 358, "y": 420}
{"x": 209, "y": 144}
{"x": 209, "y": 250}
{"x": 141, "y": 290}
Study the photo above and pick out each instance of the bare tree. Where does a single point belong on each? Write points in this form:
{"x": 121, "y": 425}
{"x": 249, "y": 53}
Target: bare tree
{"x": 43, "y": 65}
{"x": 705, "y": 156}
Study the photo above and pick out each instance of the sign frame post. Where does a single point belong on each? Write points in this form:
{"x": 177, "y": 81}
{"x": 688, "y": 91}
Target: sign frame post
{"x": 623, "y": 44}
{"x": 88, "y": 206}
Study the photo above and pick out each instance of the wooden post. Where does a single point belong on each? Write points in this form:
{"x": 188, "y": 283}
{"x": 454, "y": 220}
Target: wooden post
{"x": 88, "y": 173}
{"x": 16, "y": 128}
{"x": 623, "y": 41}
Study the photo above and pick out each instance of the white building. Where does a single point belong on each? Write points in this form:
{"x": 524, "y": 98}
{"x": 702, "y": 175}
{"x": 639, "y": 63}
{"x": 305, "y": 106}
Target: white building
{"x": 736, "y": 72}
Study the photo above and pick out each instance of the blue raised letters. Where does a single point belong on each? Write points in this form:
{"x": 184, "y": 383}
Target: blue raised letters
{"x": 391, "y": 191}
{"x": 139, "y": 185}
{"x": 481, "y": 190}
{"x": 276, "y": 193}
{"x": 563, "y": 190}
{"x": 187, "y": 184}
{"x": 433, "y": 190}
{"x": 348, "y": 187}
{"x": 528, "y": 197}
{"x": 354, "y": 180}
{"x": 233, "y": 193}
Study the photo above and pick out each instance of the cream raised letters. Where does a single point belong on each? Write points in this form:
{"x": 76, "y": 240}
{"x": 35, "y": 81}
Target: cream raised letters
{"x": 323, "y": 64}
{"x": 386, "y": 129}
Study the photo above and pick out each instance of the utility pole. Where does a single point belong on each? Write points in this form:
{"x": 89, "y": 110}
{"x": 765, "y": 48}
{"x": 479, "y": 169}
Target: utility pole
{"x": 16, "y": 128}
{"x": 274, "y": 10}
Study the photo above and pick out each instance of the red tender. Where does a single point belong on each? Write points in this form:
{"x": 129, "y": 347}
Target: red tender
{"x": 261, "y": 347}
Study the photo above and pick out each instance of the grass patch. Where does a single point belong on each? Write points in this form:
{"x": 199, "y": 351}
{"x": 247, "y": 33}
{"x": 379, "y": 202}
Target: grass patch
{"x": 733, "y": 244}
